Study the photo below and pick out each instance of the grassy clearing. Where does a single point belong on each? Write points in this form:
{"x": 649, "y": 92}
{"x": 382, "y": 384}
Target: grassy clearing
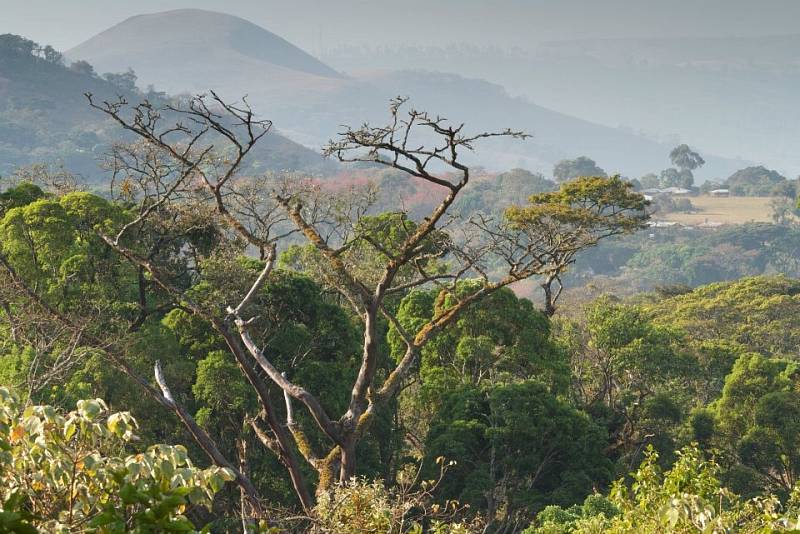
{"x": 726, "y": 210}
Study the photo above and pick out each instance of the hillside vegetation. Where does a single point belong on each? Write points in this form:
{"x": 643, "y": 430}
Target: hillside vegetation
{"x": 216, "y": 330}
{"x": 44, "y": 116}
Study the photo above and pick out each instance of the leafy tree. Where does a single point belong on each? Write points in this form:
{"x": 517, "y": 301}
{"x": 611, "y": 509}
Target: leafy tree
{"x": 500, "y": 340}
{"x": 83, "y": 67}
{"x": 52, "y": 55}
{"x": 756, "y": 313}
{"x": 631, "y": 373}
{"x": 17, "y": 45}
{"x": 758, "y": 417}
{"x": 557, "y": 520}
{"x": 59, "y": 473}
{"x": 689, "y": 497}
{"x": 522, "y": 182}
{"x": 560, "y": 224}
{"x": 569, "y": 169}
{"x": 676, "y": 178}
{"x": 517, "y": 449}
{"x": 490, "y": 196}
{"x": 124, "y": 80}
{"x": 19, "y": 196}
{"x": 755, "y": 181}
{"x": 650, "y": 181}
{"x": 685, "y": 158}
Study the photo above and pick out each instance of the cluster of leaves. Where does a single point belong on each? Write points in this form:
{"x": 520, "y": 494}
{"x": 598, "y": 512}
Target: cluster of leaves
{"x": 369, "y": 506}
{"x": 63, "y": 473}
{"x": 569, "y": 169}
{"x": 688, "y": 497}
{"x": 759, "y": 182}
{"x": 758, "y": 313}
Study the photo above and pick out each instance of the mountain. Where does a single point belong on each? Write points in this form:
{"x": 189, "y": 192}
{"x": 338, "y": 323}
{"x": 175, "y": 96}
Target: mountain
{"x": 45, "y": 117}
{"x": 193, "y": 50}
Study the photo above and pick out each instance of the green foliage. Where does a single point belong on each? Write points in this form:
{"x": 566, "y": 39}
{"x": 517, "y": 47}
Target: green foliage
{"x": 557, "y": 520}
{"x": 684, "y": 157}
{"x": 375, "y": 239}
{"x": 59, "y": 473}
{"x": 760, "y": 314}
{"x": 500, "y": 338}
{"x": 19, "y": 195}
{"x": 687, "y": 498}
{"x": 758, "y": 418}
{"x": 725, "y": 254}
{"x": 756, "y": 182}
{"x": 364, "y": 506}
{"x": 569, "y": 169}
{"x": 491, "y": 196}
{"x": 52, "y": 243}
{"x": 597, "y": 204}
{"x": 636, "y": 369}
{"x": 517, "y": 445}
{"x": 676, "y": 178}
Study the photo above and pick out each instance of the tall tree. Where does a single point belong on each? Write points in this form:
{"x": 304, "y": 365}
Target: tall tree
{"x": 686, "y": 160}
{"x": 684, "y": 157}
{"x": 183, "y": 183}
{"x": 558, "y": 225}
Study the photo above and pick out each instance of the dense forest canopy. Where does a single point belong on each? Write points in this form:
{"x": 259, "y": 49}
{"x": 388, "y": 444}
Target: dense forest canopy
{"x": 194, "y": 338}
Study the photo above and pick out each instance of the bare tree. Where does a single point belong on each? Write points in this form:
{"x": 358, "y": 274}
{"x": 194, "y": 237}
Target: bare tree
{"x": 191, "y": 159}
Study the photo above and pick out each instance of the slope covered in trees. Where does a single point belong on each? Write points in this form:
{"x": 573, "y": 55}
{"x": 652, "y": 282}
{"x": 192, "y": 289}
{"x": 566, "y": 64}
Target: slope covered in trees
{"x": 44, "y": 117}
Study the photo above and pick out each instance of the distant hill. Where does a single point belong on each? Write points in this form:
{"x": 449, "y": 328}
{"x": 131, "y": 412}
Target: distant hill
{"x": 556, "y": 136}
{"x": 45, "y": 118}
{"x": 193, "y": 50}
{"x": 731, "y": 96}
{"x": 734, "y": 96}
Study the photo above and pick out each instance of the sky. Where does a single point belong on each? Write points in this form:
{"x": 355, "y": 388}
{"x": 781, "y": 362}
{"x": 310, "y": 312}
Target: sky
{"x": 319, "y": 25}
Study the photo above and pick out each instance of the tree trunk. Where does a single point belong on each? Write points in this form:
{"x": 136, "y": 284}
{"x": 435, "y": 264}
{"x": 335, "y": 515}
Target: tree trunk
{"x": 347, "y": 470}
{"x": 549, "y": 305}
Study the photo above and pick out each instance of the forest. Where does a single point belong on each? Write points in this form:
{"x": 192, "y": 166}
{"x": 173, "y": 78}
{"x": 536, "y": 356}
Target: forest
{"x": 392, "y": 339}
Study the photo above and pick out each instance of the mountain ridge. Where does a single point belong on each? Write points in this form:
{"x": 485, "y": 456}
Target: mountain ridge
{"x": 242, "y": 36}
{"x": 311, "y": 107}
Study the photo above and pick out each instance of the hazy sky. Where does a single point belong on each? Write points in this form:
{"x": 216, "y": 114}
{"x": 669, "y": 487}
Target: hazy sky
{"x": 326, "y": 24}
